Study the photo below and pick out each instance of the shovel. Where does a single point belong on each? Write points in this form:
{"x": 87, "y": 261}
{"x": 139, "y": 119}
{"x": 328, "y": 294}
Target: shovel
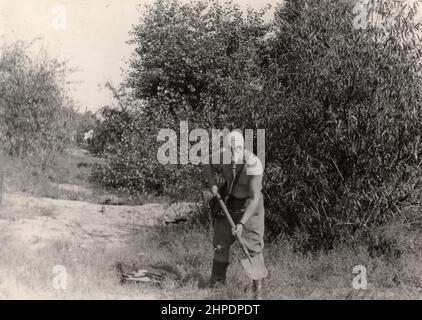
{"x": 254, "y": 266}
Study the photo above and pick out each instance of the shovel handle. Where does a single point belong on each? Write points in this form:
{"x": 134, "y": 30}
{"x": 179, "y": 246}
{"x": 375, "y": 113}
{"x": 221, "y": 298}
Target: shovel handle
{"x": 232, "y": 224}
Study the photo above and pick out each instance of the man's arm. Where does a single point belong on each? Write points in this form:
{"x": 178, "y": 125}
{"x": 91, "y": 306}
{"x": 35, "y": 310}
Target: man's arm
{"x": 255, "y": 186}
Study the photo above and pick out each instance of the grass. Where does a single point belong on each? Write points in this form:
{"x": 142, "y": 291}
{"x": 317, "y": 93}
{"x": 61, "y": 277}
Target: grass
{"x": 187, "y": 248}
{"x": 8, "y": 211}
{"x": 300, "y": 276}
{"x": 68, "y": 179}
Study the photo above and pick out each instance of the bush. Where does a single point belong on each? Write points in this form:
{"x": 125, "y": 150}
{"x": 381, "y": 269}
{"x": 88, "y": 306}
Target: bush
{"x": 345, "y": 157}
{"x": 130, "y": 149}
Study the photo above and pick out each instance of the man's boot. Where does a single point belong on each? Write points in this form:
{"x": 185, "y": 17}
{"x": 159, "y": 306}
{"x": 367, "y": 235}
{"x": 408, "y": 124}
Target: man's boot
{"x": 218, "y": 273}
{"x": 257, "y": 289}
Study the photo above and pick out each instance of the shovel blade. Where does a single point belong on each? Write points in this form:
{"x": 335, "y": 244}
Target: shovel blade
{"x": 255, "y": 267}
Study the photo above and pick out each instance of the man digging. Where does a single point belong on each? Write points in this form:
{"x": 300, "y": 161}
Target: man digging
{"x": 242, "y": 195}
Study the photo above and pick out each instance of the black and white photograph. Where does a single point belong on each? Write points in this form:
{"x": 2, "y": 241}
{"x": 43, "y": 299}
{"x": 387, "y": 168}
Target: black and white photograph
{"x": 210, "y": 150}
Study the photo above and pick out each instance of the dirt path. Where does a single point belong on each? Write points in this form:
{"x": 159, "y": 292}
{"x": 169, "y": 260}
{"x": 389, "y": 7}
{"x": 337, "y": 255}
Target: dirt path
{"x": 38, "y": 233}
{"x": 36, "y": 222}
{"x": 87, "y": 237}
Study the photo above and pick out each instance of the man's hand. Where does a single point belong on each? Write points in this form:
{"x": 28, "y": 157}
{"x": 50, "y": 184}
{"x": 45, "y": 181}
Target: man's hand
{"x": 214, "y": 190}
{"x": 238, "y": 229}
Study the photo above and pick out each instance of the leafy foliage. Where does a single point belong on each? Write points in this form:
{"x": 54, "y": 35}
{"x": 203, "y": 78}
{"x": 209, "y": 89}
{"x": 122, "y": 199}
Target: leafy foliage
{"x": 346, "y": 155}
{"x": 341, "y": 107}
{"x": 186, "y": 54}
{"x": 36, "y": 116}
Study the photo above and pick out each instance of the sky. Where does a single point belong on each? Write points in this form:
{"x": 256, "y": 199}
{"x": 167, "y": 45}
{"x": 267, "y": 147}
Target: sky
{"x": 90, "y": 34}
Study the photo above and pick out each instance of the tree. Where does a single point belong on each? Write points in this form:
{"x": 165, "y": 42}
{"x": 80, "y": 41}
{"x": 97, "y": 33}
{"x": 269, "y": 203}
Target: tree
{"x": 36, "y": 115}
{"x": 187, "y": 56}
